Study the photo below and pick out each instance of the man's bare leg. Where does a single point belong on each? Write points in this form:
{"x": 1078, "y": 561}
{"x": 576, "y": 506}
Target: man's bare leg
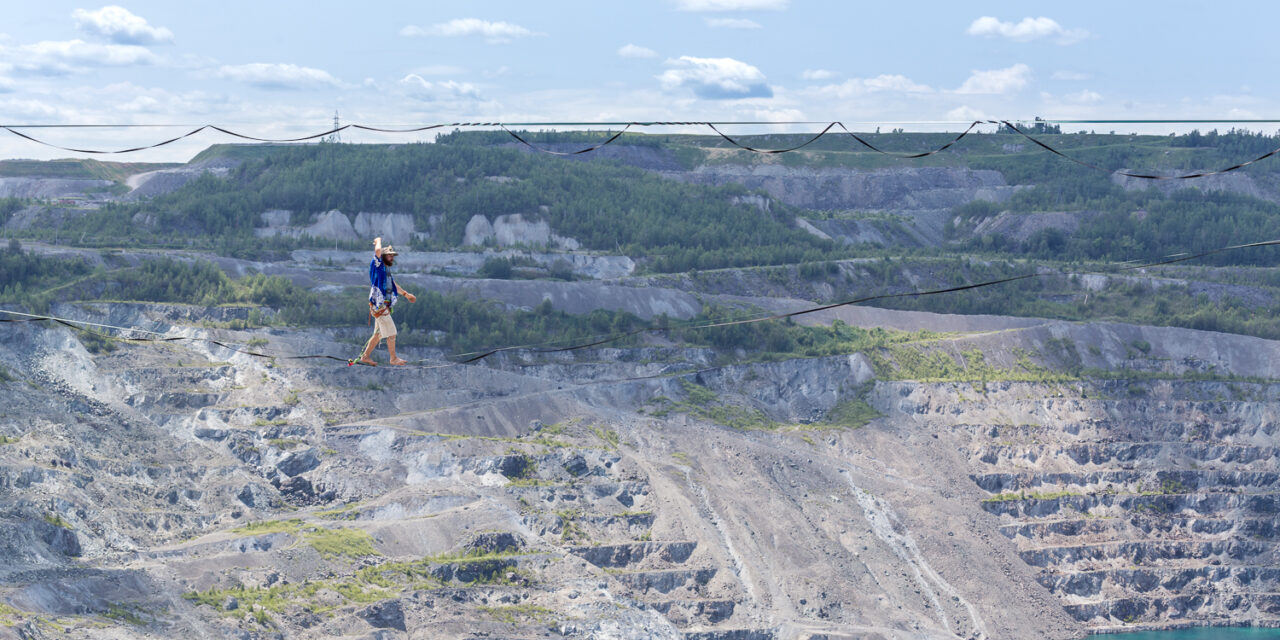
{"x": 368, "y": 349}
{"x": 391, "y": 347}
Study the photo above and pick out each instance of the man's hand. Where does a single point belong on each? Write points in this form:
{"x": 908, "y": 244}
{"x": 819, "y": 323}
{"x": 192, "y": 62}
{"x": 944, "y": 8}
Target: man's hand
{"x": 410, "y": 297}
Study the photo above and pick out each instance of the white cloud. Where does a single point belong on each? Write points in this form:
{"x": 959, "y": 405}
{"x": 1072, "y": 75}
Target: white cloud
{"x": 279, "y": 76}
{"x": 966, "y": 113}
{"x": 817, "y": 74}
{"x": 716, "y": 78}
{"x": 422, "y": 89}
{"x": 636, "y": 51}
{"x": 997, "y": 80}
{"x": 1073, "y": 76}
{"x": 732, "y": 23}
{"x": 1068, "y": 100}
{"x": 439, "y": 70}
{"x": 1084, "y": 97}
{"x": 493, "y": 32}
{"x": 880, "y": 84}
{"x": 894, "y": 83}
{"x": 778, "y": 115}
{"x": 118, "y": 25}
{"x": 1027, "y": 30}
{"x": 731, "y": 5}
{"x": 35, "y": 110}
{"x": 62, "y": 57}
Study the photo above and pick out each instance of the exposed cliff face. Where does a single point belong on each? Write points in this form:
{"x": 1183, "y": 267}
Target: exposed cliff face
{"x": 1262, "y": 187}
{"x": 844, "y": 189}
{"x": 154, "y": 183}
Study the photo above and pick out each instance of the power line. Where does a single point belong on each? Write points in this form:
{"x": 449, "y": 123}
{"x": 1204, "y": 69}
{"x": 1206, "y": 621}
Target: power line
{"x": 506, "y": 127}
{"x": 605, "y": 123}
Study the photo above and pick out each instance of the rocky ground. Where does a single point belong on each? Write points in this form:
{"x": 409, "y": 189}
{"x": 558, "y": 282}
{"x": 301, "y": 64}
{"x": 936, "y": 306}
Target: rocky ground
{"x": 181, "y": 489}
{"x": 1004, "y": 478}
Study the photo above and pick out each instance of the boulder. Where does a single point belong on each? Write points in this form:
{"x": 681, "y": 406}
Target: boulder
{"x": 299, "y": 462}
{"x": 478, "y": 231}
{"x": 393, "y": 228}
{"x": 387, "y": 614}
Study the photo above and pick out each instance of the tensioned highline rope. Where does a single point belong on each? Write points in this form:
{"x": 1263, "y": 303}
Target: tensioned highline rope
{"x": 475, "y": 356}
{"x": 712, "y": 125}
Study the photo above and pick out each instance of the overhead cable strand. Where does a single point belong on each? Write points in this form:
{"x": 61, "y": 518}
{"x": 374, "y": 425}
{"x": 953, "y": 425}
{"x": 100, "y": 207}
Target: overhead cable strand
{"x": 1144, "y": 176}
{"x": 627, "y": 126}
{"x": 911, "y": 156}
{"x": 565, "y": 153}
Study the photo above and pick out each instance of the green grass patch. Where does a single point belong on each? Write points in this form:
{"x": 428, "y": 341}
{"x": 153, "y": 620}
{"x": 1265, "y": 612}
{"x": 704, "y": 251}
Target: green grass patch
{"x": 853, "y": 414}
{"x": 9, "y": 439}
{"x": 550, "y": 443}
{"x": 609, "y": 436}
{"x": 270, "y": 526}
{"x": 703, "y": 403}
{"x": 345, "y": 512}
{"x": 9, "y": 616}
{"x": 514, "y": 614}
{"x": 123, "y": 614}
{"x": 570, "y": 526}
{"x": 331, "y": 543}
{"x": 932, "y": 363}
{"x": 334, "y": 543}
{"x": 1014, "y": 496}
{"x": 369, "y": 584}
{"x": 57, "y": 521}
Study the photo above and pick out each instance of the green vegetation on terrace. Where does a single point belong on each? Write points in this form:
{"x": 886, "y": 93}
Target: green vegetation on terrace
{"x": 369, "y": 584}
{"x": 24, "y": 276}
{"x": 705, "y": 404}
{"x": 330, "y": 543}
{"x": 930, "y": 363}
{"x": 10, "y": 205}
{"x": 785, "y": 338}
{"x": 87, "y": 169}
{"x": 1144, "y": 298}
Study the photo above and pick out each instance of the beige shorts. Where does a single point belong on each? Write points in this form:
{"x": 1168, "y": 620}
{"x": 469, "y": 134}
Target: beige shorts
{"x": 384, "y": 326}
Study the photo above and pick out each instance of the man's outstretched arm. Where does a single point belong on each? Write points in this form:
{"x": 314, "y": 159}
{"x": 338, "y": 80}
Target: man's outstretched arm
{"x": 409, "y": 296}
{"x": 377, "y": 247}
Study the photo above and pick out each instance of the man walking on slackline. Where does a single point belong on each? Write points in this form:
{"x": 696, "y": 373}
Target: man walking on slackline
{"x": 382, "y": 297}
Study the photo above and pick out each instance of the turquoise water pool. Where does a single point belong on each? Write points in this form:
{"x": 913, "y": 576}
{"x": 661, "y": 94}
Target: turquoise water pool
{"x": 1202, "y": 633}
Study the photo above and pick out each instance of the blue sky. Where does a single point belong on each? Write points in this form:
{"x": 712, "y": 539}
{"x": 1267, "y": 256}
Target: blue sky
{"x": 282, "y": 68}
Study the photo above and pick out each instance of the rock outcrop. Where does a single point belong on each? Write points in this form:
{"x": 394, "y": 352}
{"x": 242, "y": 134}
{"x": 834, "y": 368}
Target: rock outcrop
{"x": 514, "y": 231}
{"x": 848, "y": 189}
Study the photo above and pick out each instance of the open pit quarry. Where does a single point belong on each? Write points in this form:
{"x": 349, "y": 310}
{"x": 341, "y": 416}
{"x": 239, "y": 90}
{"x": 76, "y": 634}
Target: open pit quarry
{"x": 977, "y": 477}
{"x": 1079, "y": 478}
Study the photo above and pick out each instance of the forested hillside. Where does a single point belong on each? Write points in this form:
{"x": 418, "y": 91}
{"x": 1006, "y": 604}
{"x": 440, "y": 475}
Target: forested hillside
{"x": 633, "y": 199}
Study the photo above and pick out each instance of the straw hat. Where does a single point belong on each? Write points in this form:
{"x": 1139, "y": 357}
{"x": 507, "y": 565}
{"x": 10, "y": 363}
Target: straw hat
{"x": 389, "y": 251}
